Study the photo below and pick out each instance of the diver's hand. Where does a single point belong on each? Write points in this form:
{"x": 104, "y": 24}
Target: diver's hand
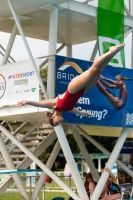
{"x": 90, "y": 115}
{"x": 21, "y": 103}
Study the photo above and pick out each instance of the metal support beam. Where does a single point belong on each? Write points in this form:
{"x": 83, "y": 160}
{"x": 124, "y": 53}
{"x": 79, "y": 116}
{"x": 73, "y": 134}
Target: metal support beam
{"x": 17, "y": 131}
{"x": 71, "y": 163}
{"x": 57, "y": 51}
{"x": 131, "y": 7}
{"x": 85, "y": 154}
{"x": 9, "y": 46}
{"x": 91, "y": 11}
{"x": 49, "y": 164}
{"x": 101, "y": 148}
{"x": 52, "y": 51}
{"x": 27, "y": 47}
{"x": 110, "y": 163}
{"x": 10, "y": 165}
{"x": 3, "y": 54}
{"x": 127, "y": 11}
{"x": 69, "y": 50}
{"x": 39, "y": 163}
{"x": 93, "y": 55}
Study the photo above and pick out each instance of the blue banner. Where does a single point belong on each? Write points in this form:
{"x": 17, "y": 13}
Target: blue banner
{"x": 127, "y": 148}
{"x": 101, "y": 100}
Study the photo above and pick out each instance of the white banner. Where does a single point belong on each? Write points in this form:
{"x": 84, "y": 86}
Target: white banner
{"x": 18, "y": 81}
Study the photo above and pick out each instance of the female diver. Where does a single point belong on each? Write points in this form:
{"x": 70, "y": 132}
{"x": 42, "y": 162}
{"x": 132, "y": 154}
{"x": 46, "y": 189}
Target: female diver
{"x": 76, "y": 88}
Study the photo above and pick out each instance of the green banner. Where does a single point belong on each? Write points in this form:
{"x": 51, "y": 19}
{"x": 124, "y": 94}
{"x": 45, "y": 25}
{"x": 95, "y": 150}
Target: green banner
{"x": 110, "y": 28}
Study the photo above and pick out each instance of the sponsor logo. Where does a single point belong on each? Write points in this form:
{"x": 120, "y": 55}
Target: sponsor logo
{"x": 33, "y": 89}
{"x": 70, "y": 64}
{"x": 26, "y": 90}
{"x": 21, "y": 82}
{"x": 106, "y": 41}
{"x": 18, "y": 91}
{"x": 2, "y": 85}
{"x": 67, "y": 76}
{"x": 21, "y": 75}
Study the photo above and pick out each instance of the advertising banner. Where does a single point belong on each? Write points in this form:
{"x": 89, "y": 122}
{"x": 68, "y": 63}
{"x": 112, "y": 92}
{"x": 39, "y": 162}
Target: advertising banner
{"x": 126, "y": 157}
{"x": 18, "y": 81}
{"x": 101, "y": 99}
{"x": 110, "y": 33}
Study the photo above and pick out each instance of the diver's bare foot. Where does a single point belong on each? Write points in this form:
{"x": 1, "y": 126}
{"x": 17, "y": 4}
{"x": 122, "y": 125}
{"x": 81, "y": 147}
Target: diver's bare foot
{"x": 117, "y": 48}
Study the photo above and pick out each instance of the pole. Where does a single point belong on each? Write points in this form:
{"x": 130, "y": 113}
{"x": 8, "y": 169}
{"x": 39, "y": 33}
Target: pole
{"x": 10, "y": 44}
{"x": 71, "y": 163}
{"x": 52, "y": 51}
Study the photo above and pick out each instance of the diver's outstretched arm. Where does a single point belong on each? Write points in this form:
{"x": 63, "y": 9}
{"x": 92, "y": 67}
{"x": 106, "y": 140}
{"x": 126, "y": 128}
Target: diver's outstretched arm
{"x": 80, "y": 112}
{"x": 43, "y": 104}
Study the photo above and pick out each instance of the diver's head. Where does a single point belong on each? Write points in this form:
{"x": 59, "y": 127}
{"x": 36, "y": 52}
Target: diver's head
{"x": 54, "y": 119}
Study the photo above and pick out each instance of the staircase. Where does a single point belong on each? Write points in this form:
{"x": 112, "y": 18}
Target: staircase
{"x": 36, "y": 140}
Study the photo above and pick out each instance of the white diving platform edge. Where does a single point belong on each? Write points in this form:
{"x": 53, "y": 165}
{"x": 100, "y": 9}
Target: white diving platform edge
{"x": 26, "y": 113}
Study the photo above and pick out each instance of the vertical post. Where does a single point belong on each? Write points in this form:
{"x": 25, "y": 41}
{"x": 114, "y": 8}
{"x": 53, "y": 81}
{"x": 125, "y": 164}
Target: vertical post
{"x": 110, "y": 163}
{"x": 130, "y": 6}
{"x": 30, "y": 187}
{"x": 52, "y": 51}
{"x": 69, "y": 50}
{"x": 71, "y": 163}
{"x": 27, "y": 47}
{"x": 85, "y": 154}
{"x": 43, "y": 193}
{"x": 93, "y": 55}
{"x": 10, "y": 44}
{"x": 99, "y": 164}
{"x": 10, "y": 165}
{"x": 69, "y": 181}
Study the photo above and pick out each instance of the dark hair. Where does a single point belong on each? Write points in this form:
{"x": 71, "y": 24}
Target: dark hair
{"x": 51, "y": 120}
{"x": 89, "y": 175}
{"x": 124, "y": 78}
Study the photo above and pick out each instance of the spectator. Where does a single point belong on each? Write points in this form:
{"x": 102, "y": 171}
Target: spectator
{"x": 90, "y": 185}
{"x": 113, "y": 187}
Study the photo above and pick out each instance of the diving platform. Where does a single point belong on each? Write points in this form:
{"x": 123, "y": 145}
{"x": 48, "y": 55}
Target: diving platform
{"x": 25, "y": 113}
